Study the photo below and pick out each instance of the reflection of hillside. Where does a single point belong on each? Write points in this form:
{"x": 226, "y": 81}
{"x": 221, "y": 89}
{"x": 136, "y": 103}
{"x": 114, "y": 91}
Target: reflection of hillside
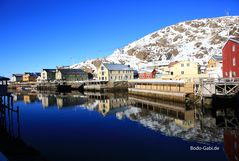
{"x": 171, "y": 120}
{"x": 107, "y": 103}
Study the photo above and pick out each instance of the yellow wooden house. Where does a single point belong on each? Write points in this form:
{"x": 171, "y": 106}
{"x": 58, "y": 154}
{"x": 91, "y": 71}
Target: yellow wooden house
{"x": 182, "y": 70}
{"x": 115, "y": 72}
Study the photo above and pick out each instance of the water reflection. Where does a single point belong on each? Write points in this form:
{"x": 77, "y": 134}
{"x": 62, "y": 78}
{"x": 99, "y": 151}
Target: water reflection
{"x": 201, "y": 125}
{"x": 12, "y": 148}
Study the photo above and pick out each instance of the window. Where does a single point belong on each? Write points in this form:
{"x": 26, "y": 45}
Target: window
{"x": 234, "y": 74}
{"x": 182, "y": 72}
{"x": 234, "y": 61}
{"x": 182, "y": 65}
{"x": 102, "y": 68}
{"x": 234, "y": 48}
{"x": 103, "y": 78}
{"x": 188, "y": 64}
{"x": 226, "y": 74}
{"x": 171, "y": 73}
{"x": 103, "y": 73}
{"x": 111, "y": 78}
{"x": 119, "y": 72}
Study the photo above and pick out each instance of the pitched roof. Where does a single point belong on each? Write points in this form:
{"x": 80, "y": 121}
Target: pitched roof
{"x": 235, "y": 39}
{"x": 71, "y": 71}
{"x": 50, "y": 70}
{"x": 4, "y": 78}
{"x": 33, "y": 74}
{"x": 146, "y": 70}
{"x": 17, "y": 75}
{"x": 117, "y": 67}
{"x": 216, "y": 57}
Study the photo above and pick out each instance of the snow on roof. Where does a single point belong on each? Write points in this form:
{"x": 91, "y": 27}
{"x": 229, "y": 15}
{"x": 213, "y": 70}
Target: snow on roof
{"x": 158, "y": 81}
{"x": 117, "y": 67}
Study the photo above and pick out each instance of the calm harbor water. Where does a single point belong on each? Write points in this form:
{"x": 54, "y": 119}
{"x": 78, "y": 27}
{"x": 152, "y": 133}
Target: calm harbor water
{"x": 111, "y": 127}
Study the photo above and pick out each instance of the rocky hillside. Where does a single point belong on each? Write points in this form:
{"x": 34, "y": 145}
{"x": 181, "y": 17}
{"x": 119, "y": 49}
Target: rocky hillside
{"x": 196, "y": 40}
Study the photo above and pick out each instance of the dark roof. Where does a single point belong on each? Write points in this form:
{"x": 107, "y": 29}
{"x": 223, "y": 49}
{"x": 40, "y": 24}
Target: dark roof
{"x": 216, "y": 57}
{"x": 50, "y": 70}
{"x": 235, "y": 39}
{"x": 4, "y": 78}
{"x": 117, "y": 67}
{"x": 17, "y": 75}
{"x": 71, "y": 71}
{"x": 33, "y": 74}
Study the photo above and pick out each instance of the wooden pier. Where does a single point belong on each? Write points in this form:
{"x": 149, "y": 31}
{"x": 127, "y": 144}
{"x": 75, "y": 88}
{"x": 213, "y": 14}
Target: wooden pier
{"x": 208, "y": 89}
{"x": 177, "y": 91}
{"x": 97, "y": 85}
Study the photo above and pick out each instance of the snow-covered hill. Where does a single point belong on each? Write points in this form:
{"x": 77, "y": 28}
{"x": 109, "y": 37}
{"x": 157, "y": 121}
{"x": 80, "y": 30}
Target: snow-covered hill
{"x": 196, "y": 40}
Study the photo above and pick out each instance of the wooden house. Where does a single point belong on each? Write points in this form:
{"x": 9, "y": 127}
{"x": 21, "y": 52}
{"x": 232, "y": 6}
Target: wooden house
{"x": 30, "y": 77}
{"x": 214, "y": 67}
{"x": 48, "y": 74}
{"x": 115, "y": 72}
{"x": 182, "y": 70}
{"x": 147, "y": 74}
{"x": 230, "y": 58}
{"x": 71, "y": 75}
{"x": 17, "y": 78}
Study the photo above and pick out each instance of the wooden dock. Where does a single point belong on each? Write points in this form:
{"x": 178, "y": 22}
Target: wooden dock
{"x": 97, "y": 85}
{"x": 177, "y": 91}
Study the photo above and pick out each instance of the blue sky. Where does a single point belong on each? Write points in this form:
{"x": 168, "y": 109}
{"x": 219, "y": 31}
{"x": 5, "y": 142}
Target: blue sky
{"x": 36, "y": 34}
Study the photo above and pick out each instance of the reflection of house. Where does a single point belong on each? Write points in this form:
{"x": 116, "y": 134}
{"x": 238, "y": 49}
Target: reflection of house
{"x": 147, "y": 74}
{"x": 115, "y": 72}
{"x": 48, "y": 101}
{"x": 230, "y": 54}
{"x": 214, "y": 66}
{"x": 30, "y": 77}
{"x": 29, "y": 98}
{"x": 16, "y": 78}
{"x": 71, "y": 75}
{"x": 65, "y": 101}
{"x": 48, "y": 74}
{"x": 109, "y": 105}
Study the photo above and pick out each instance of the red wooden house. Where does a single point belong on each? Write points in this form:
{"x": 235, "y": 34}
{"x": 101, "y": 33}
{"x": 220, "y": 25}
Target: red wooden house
{"x": 146, "y": 74}
{"x": 230, "y": 58}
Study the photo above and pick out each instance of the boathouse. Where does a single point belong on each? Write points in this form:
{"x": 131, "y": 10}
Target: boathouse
{"x": 3, "y": 85}
{"x": 147, "y": 74}
{"x": 230, "y": 56}
{"x": 171, "y": 90}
